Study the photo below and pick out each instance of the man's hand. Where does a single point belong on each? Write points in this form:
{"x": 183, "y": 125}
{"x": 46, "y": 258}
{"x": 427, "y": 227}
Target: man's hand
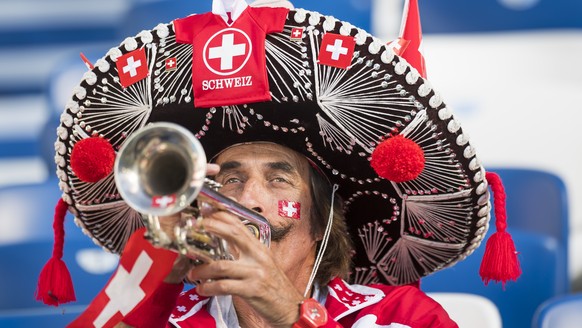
{"x": 253, "y": 275}
{"x": 182, "y": 264}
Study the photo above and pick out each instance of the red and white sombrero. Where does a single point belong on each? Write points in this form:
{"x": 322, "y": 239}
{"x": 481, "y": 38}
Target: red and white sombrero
{"x": 416, "y": 193}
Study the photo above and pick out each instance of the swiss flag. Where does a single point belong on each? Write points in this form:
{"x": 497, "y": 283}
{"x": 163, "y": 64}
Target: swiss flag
{"x": 411, "y": 33}
{"x": 336, "y": 50}
{"x": 132, "y": 67}
{"x": 141, "y": 270}
{"x": 297, "y": 33}
{"x": 289, "y": 209}
{"x": 399, "y": 45}
{"x": 171, "y": 64}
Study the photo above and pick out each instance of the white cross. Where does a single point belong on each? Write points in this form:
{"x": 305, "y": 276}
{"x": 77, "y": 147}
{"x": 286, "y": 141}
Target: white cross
{"x": 297, "y": 33}
{"x": 131, "y": 66}
{"x": 290, "y": 210}
{"x": 337, "y": 49}
{"x": 164, "y": 201}
{"x": 227, "y": 51}
{"x": 181, "y": 308}
{"x": 171, "y": 63}
{"x": 124, "y": 291}
{"x": 314, "y": 314}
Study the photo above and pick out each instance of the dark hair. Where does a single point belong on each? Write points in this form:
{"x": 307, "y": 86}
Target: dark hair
{"x": 336, "y": 261}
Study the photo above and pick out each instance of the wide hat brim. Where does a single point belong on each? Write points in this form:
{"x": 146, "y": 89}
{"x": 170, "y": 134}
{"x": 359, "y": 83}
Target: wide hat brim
{"x": 335, "y": 117}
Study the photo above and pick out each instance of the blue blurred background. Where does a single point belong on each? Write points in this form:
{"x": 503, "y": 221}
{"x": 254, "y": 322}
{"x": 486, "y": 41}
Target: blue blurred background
{"x": 510, "y": 69}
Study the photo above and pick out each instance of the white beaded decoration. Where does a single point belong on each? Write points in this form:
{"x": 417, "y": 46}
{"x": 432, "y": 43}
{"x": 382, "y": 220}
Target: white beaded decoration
{"x": 90, "y": 78}
{"x": 130, "y": 44}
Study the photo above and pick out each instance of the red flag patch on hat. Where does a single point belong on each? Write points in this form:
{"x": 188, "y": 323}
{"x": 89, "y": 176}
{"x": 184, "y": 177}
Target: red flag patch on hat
{"x": 141, "y": 269}
{"x": 336, "y": 50}
{"x": 171, "y": 64}
{"x": 132, "y": 67}
{"x": 296, "y": 33}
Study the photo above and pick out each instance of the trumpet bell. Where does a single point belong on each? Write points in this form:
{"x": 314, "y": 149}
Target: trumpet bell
{"x": 160, "y": 169}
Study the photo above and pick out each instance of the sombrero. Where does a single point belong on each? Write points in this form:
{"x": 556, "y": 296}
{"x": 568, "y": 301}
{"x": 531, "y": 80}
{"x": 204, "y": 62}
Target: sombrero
{"x": 415, "y": 191}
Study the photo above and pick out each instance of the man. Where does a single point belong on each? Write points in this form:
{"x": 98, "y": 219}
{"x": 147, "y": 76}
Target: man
{"x": 298, "y": 110}
{"x": 267, "y": 284}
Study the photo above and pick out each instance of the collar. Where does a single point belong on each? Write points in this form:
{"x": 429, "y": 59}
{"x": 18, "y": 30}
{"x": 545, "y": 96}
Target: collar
{"x": 344, "y": 299}
{"x": 234, "y": 7}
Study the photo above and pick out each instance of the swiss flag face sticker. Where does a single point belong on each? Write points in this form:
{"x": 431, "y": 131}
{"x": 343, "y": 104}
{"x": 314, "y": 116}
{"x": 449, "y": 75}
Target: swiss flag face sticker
{"x": 336, "y": 50}
{"x": 227, "y": 51}
{"x": 289, "y": 209}
{"x": 132, "y": 67}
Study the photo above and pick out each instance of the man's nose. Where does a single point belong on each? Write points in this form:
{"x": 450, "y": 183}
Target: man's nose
{"x": 251, "y": 196}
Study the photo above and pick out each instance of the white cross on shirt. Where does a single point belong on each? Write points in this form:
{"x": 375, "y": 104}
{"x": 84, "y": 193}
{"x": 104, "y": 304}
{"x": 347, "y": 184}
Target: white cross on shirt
{"x": 227, "y": 51}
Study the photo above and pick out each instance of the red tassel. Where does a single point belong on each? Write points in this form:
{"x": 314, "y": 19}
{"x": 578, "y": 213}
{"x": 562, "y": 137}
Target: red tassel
{"x": 54, "y": 283}
{"x": 500, "y": 262}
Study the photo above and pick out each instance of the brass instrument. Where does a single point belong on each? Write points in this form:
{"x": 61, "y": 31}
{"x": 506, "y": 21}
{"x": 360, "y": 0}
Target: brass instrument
{"x": 161, "y": 170}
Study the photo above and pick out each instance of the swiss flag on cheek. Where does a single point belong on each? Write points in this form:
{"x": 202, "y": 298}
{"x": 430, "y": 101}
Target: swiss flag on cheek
{"x": 336, "y": 50}
{"x": 132, "y": 67}
{"x": 289, "y": 209}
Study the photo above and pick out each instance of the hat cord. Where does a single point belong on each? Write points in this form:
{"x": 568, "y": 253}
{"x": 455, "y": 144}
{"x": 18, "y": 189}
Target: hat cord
{"x": 323, "y": 243}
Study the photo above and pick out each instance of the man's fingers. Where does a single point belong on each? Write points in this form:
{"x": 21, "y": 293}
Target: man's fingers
{"x": 212, "y": 169}
{"x": 222, "y": 269}
{"x": 231, "y": 229}
{"x": 227, "y": 287}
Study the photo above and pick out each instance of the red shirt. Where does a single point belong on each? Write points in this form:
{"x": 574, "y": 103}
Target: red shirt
{"x": 347, "y": 305}
{"x": 228, "y": 62}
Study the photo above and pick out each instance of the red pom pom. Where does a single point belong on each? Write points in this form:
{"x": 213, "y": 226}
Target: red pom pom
{"x": 398, "y": 159}
{"x": 92, "y": 159}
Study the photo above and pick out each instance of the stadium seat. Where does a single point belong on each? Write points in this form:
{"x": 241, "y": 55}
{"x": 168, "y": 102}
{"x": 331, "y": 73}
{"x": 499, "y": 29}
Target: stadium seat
{"x": 357, "y": 12}
{"x": 89, "y": 265}
{"x": 26, "y": 240}
{"x": 469, "y": 310}
{"x": 560, "y": 312}
{"x": 34, "y": 34}
{"x": 46, "y": 318}
{"x": 145, "y": 15}
{"x": 451, "y": 16}
{"x": 537, "y": 201}
{"x": 517, "y": 301}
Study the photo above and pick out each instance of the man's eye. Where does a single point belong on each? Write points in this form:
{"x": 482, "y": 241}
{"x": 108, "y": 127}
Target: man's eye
{"x": 231, "y": 180}
{"x": 278, "y": 179}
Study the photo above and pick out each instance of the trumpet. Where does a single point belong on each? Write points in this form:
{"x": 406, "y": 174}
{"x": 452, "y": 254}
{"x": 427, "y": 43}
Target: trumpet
{"x": 161, "y": 170}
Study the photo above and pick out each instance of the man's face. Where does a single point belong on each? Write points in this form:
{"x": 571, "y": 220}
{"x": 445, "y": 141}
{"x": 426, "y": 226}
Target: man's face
{"x": 265, "y": 177}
